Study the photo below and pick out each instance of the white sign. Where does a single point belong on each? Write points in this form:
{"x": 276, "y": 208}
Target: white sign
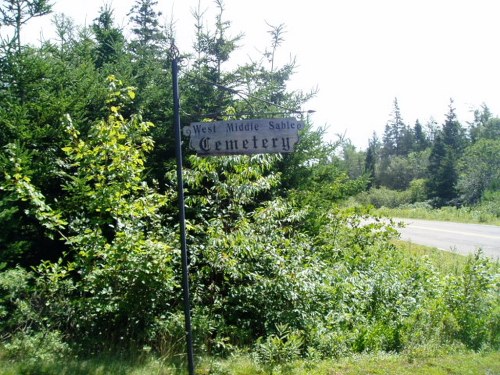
{"x": 243, "y": 137}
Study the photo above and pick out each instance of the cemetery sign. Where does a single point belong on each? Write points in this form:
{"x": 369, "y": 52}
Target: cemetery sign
{"x": 244, "y": 137}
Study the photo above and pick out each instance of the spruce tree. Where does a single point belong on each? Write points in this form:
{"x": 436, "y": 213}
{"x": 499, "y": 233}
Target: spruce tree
{"x": 110, "y": 39}
{"x": 146, "y": 27}
{"x": 446, "y": 150}
{"x": 441, "y": 179}
{"x": 453, "y": 134}
{"x": 371, "y": 159}
{"x": 420, "y": 141}
{"x": 396, "y": 134}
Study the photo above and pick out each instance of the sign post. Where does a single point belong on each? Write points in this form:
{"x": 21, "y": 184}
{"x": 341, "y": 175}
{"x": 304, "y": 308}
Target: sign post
{"x": 233, "y": 137}
{"x": 182, "y": 215}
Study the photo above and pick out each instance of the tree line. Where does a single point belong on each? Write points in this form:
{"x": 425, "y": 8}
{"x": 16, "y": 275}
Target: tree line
{"x": 89, "y": 245}
{"x": 443, "y": 164}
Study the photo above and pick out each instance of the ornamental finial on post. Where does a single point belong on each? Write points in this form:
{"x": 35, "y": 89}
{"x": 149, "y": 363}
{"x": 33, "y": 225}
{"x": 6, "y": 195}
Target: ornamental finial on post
{"x": 174, "y": 51}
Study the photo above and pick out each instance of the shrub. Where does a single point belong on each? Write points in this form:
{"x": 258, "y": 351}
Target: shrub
{"x": 473, "y": 299}
{"x": 384, "y": 197}
{"x": 280, "y": 348}
{"x": 33, "y": 348}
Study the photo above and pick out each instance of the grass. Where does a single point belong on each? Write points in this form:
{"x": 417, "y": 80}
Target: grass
{"x": 445, "y": 262}
{"x": 410, "y": 363}
{"x": 402, "y": 365}
{"x": 459, "y": 215}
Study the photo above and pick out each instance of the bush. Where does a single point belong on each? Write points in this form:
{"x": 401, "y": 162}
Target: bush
{"x": 473, "y": 299}
{"x": 34, "y": 348}
{"x": 384, "y": 197}
{"x": 280, "y": 348}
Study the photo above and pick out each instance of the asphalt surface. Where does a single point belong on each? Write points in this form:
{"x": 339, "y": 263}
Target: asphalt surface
{"x": 456, "y": 237}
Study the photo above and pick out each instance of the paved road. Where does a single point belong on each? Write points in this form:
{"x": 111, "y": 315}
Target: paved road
{"x": 461, "y": 238}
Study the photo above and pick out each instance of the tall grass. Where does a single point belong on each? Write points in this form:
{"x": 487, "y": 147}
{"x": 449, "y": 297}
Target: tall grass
{"x": 478, "y": 214}
{"x": 445, "y": 262}
{"x": 421, "y": 363}
{"x": 394, "y": 203}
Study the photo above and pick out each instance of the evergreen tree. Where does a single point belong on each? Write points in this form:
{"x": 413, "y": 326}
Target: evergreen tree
{"x": 397, "y": 143}
{"x": 17, "y": 13}
{"x": 453, "y": 134}
{"x": 207, "y": 79}
{"x": 146, "y": 27}
{"x": 397, "y": 135}
{"x": 371, "y": 159}
{"x": 446, "y": 151}
{"x": 110, "y": 39}
{"x": 420, "y": 141}
{"x": 442, "y": 174}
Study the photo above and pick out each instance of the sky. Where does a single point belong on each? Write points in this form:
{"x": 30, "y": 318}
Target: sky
{"x": 359, "y": 54}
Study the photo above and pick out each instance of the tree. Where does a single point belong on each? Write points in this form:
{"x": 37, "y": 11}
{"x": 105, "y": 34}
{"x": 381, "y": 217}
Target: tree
{"x": 397, "y": 136}
{"x": 115, "y": 233}
{"x": 446, "y": 150}
{"x": 372, "y": 159}
{"x": 353, "y": 160}
{"x": 421, "y": 141}
{"x": 441, "y": 174}
{"x": 479, "y": 170}
{"x": 453, "y": 134}
{"x": 490, "y": 130}
{"x": 481, "y": 116}
{"x": 110, "y": 39}
{"x": 146, "y": 27}
{"x": 17, "y": 13}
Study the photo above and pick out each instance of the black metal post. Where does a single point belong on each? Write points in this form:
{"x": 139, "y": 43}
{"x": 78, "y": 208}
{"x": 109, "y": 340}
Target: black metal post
{"x": 182, "y": 216}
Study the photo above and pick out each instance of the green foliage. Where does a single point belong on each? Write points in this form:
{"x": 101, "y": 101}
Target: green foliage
{"x": 41, "y": 347}
{"x": 486, "y": 213}
{"x": 473, "y": 304}
{"x": 384, "y": 197}
{"x": 117, "y": 241}
{"x": 448, "y": 158}
{"x": 479, "y": 170}
{"x": 443, "y": 174}
{"x": 398, "y": 137}
{"x": 113, "y": 225}
{"x": 275, "y": 264}
{"x": 16, "y": 13}
{"x": 247, "y": 286}
{"x": 279, "y": 349}
{"x": 110, "y": 39}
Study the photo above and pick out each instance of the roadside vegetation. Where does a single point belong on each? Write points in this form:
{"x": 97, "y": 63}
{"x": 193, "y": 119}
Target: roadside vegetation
{"x": 486, "y": 212}
{"x": 286, "y": 275}
{"x": 444, "y": 262}
{"x": 418, "y": 363}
